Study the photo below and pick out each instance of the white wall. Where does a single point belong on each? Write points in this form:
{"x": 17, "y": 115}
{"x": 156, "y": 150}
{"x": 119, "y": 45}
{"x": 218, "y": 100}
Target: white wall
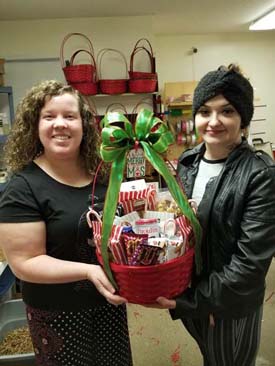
{"x": 254, "y": 52}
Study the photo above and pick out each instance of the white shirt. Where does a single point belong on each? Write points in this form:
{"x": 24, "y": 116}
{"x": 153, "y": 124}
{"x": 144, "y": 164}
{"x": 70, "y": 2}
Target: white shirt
{"x": 207, "y": 169}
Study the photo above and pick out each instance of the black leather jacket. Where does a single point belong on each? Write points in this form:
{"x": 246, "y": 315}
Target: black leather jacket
{"x": 237, "y": 214}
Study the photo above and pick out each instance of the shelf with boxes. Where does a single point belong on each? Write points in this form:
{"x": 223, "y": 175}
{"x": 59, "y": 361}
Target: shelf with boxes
{"x": 178, "y": 112}
{"x": 2, "y": 71}
{"x": 6, "y": 118}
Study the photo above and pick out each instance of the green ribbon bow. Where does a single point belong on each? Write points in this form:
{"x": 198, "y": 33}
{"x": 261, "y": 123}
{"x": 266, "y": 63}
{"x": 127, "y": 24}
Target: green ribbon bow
{"x": 118, "y": 137}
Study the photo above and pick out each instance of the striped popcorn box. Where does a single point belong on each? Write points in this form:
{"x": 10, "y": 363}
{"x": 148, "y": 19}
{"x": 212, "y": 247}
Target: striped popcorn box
{"x": 137, "y": 196}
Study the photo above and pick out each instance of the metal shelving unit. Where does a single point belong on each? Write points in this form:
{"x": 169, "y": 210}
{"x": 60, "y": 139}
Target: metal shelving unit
{"x": 7, "y": 90}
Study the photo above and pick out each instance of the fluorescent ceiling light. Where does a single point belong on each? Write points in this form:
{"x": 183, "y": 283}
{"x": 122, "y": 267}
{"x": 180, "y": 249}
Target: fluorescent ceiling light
{"x": 266, "y": 22}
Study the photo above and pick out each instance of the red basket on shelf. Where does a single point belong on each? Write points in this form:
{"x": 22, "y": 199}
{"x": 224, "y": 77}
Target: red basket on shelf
{"x": 144, "y": 284}
{"x": 77, "y": 73}
{"x": 86, "y": 87}
{"x": 111, "y": 86}
{"x": 142, "y": 81}
{"x": 142, "y": 85}
{"x": 142, "y": 74}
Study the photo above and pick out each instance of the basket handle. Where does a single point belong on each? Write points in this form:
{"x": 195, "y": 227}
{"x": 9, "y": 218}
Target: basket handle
{"x": 146, "y": 100}
{"x": 148, "y": 43}
{"x": 66, "y": 39}
{"x": 91, "y": 105}
{"x": 102, "y": 52}
{"x": 90, "y": 54}
{"x": 135, "y": 111}
{"x": 136, "y": 50}
{"x": 119, "y": 105}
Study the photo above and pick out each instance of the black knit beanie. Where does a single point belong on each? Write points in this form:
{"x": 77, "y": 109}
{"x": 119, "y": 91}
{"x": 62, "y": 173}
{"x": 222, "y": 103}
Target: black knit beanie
{"x": 232, "y": 85}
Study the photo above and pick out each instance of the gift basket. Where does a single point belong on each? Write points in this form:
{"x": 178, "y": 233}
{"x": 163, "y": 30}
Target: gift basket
{"x": 147, "y": 237}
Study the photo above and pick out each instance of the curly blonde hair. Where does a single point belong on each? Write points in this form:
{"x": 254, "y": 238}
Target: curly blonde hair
{"x": 23, "y": 144}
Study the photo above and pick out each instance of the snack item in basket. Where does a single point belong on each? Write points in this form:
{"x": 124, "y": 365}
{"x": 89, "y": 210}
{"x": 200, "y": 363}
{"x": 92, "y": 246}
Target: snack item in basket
{"x": 146, "y": 255}
{"x": 168, "y": 206}
{"x": 175, "y": 248}
{"x": 166, "y": 203}
{"x": 131, "y": 242}
{"x": 161, "y": 216}
{"x": 184, "y": 228}
{"x": 160, "y": 243}
{"x": 147, "y": 226}
{"x": 127, "y": 228}
{"x": 126, "y": 219}
{"x": 136, "y": 196}
{"x": 117, "y": 247}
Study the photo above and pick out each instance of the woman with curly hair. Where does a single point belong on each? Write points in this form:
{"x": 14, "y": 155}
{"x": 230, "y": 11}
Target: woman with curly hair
{"x": 75, "y": 317}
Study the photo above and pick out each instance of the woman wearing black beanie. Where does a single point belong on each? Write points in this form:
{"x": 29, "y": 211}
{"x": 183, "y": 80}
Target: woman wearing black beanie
{"x": 234, "y": 187}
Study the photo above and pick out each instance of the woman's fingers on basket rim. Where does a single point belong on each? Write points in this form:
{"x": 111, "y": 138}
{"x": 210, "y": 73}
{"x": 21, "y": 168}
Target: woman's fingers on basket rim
{"x": 107, "y": 290}
{"x": 116, "y": 300}
{"x": 166, "y": 303}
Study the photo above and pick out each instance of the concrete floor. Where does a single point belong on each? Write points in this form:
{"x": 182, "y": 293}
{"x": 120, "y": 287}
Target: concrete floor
{"x": 159, "y": 341}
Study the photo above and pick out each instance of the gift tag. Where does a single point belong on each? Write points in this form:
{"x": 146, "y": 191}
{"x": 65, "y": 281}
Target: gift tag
{"x": 135, "y": 164}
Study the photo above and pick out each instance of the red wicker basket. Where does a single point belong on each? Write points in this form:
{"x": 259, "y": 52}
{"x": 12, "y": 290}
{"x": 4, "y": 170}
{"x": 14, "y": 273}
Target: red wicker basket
{"x": 144, "y": 284}
{"x": 142, "y": 85}
{"x": 77, "y": 73}
{"x": 140, "y": 81}
{"x": 85, "y": 87}
{"x": 142, "y": 74}
{"x": 111, "y": 86}
{"x": 149, "y": 49}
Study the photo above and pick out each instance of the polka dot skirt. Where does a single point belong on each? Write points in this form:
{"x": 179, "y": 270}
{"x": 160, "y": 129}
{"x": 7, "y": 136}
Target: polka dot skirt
{"x": 93, "y": 337}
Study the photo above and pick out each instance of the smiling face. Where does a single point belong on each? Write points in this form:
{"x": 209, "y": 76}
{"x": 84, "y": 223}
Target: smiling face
{"x": 219, "y": 124}
{"x": 60, "y": 127}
